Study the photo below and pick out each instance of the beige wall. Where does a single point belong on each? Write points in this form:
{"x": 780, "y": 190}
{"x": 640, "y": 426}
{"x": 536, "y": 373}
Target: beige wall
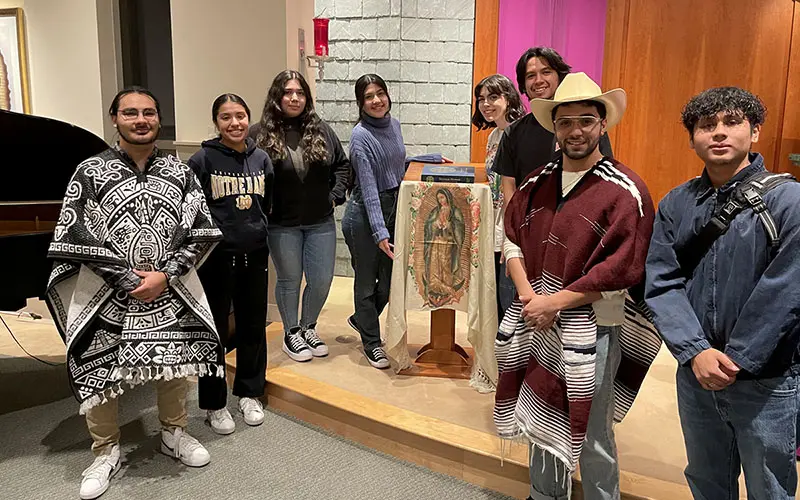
{"x": 235, "y": 46}
{"x": 300, "y": 14}
{"x": 110, "y": 52}
{"x": 64, "y": 60}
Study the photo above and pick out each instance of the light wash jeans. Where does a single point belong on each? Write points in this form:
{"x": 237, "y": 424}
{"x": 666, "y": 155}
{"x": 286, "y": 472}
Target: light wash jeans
{"x": 751, "y": 425}
{"x": 598, "y": 462}
{"x": 299, "y": 250}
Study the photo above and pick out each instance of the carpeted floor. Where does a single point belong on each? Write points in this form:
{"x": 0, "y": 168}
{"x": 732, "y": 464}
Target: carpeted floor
{"x": 44, "y": 449}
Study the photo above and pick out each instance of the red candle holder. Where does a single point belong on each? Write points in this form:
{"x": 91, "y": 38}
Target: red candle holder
{"x": 321, "y": 36}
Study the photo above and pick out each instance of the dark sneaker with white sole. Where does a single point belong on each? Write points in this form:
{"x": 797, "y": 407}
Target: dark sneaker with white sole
{"x": 352, "y": 322}
{"x": 377, "y": 357}
{"x": 318, "y": 348}
{"x": 295, "y": 346}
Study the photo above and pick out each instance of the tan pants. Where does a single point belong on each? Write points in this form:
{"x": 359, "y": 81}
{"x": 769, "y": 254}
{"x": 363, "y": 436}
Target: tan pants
{"x": 102, "y": 420}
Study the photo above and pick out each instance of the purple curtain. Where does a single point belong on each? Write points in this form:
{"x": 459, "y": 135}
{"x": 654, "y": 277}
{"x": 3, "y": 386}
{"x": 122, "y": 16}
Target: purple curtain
{"x": 575, "y": 28}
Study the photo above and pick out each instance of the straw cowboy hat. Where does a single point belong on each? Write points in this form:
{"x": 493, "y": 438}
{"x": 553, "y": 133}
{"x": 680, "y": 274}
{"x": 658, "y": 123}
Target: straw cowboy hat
{"x": 578, "y": 87}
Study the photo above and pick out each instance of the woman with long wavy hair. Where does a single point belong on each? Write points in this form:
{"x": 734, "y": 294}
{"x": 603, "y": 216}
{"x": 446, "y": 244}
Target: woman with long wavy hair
{"x": 497, "y": 105}
{"x": 311, "y": 176}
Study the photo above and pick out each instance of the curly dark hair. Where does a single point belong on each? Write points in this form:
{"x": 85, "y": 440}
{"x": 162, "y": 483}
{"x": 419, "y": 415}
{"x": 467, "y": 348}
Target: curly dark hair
{"x": 728, "y": 99}
{"x": 550, "y": 56}
{"x": 500, "y": 85}
{"x": 272, "y": 137}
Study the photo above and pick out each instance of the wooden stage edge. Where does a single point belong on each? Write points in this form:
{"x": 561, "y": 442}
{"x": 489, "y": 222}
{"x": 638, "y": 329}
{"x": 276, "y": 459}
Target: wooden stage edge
{"x": 443, "y": 447}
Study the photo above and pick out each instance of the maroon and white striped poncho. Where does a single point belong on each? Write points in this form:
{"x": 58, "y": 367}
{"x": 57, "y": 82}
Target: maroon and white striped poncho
{"x": 593, "y": 240}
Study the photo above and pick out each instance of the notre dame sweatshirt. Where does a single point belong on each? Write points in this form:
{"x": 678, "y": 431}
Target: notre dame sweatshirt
{"x": 238, "y": 188}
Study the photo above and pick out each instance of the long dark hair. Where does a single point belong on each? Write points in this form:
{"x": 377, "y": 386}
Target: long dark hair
{"x": 550, "y": 56}
{"x": 361, "y": 86}
{"x": 135, "y": 89}
{"x": 500, "y": 85}
{"x": 219, "y": 101}
{"x": 272, "y": 137}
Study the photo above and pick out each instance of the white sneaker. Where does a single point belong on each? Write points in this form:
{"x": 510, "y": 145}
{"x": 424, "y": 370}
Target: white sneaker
{"x": 252, "y": 411}
{"x": 97, "y": 476}
{"x": 221, "y": 421}
{"x": 181, "y": 445}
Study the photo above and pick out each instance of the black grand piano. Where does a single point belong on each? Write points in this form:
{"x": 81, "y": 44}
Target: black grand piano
{"x": 38, "y": 157}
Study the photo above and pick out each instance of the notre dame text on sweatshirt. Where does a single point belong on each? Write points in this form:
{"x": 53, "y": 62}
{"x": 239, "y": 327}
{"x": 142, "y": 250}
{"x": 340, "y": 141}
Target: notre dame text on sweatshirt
{"x": 238, "y": 188}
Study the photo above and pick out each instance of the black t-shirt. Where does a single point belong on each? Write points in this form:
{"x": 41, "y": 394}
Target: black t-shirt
{"x": 527, "y": 145}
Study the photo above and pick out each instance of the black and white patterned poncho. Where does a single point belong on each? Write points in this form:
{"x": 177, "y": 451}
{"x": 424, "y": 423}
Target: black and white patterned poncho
{"x": 116, "y": 219}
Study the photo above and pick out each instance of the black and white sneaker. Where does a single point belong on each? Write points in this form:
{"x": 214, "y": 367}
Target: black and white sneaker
{"x": 295, "y": 347}
{"x": 318, "y": 348}
{"x": 377, "y": 357}
{"x": 352, "y": 322}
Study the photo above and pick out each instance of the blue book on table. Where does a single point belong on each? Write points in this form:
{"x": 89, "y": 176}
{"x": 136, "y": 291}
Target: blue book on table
{"x": 448, "y": 173}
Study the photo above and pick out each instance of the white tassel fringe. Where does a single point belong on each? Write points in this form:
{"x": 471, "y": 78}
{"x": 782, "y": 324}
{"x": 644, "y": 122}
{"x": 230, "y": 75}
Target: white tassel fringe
{"x": 138, "y": 376}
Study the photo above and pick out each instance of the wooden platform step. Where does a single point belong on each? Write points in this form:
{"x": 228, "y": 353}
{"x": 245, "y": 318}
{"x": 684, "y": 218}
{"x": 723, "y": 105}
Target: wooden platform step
{"x": 464, "y": 453}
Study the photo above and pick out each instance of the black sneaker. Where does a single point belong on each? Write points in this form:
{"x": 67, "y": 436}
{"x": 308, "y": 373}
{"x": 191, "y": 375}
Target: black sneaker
{"x": 295, "y": 346}
{"x": 377, "y": 357}
{"x": 352, "y": 322}
{"x": 317, "y": 346}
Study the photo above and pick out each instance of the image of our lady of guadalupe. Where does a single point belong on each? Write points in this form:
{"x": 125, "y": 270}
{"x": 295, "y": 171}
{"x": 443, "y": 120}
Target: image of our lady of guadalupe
{"x": 444, "y": 240}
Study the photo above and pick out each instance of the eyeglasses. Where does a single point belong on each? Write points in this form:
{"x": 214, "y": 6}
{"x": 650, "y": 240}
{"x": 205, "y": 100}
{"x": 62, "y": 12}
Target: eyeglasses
{"x": 567, "y": 123}
{"x": 130, "y": 114}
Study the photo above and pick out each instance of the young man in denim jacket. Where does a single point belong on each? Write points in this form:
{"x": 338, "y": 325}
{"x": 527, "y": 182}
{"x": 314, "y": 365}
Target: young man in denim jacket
{"x": 733, "y": 319}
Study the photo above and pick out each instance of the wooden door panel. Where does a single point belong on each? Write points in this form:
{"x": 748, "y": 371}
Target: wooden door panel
{"x": 790, "y": 134}
{"x": 671, "y": 50}
{"x": 487, "y": 18}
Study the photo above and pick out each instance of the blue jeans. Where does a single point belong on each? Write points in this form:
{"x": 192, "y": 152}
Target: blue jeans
{"x": 298, "y": 250}
{"x": 598, "y": 461}
{"x": 372, "y": 267}
{"x": 749, "y": 424}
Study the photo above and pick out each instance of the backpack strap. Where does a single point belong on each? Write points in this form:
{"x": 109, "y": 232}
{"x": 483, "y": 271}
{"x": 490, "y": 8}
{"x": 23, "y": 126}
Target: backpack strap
{"x": 747, "y": 194}
{"x": 753, "y": 191}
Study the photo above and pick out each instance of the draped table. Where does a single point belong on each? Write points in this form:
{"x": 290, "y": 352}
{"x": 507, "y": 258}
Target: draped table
{"x": 444, "y": 262}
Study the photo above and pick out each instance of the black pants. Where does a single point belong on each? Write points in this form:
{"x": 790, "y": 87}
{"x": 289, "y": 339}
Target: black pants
{"x": 504, "y": 286}
{"x": 372, "y": 267}
{"x": 241, "y": 279}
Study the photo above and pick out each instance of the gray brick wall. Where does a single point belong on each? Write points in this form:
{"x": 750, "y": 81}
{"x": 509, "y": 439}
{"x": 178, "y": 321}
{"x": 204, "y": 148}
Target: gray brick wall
{"x": 423, "y": 49}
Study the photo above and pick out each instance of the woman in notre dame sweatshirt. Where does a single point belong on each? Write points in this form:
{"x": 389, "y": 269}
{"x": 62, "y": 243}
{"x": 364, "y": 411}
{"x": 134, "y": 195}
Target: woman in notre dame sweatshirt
{"x": 237, "y": 180}
{"x": 311, "y": 176}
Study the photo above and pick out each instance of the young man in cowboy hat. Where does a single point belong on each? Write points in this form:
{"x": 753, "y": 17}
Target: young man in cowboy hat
{"x": 577, "y": 234}
{"x": 526, "y": 144}
{"x": 727, "y": 305}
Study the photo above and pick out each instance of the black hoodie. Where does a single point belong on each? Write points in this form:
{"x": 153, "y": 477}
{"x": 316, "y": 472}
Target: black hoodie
{"x": 238, "y": 188}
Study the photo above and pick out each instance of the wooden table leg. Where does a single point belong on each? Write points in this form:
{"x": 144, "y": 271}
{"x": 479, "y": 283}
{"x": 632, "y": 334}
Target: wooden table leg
{"x": 442, "y": 349}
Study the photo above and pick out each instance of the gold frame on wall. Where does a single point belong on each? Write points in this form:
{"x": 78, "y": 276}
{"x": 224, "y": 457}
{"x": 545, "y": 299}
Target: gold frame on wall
{"x": 22, "y": 54}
